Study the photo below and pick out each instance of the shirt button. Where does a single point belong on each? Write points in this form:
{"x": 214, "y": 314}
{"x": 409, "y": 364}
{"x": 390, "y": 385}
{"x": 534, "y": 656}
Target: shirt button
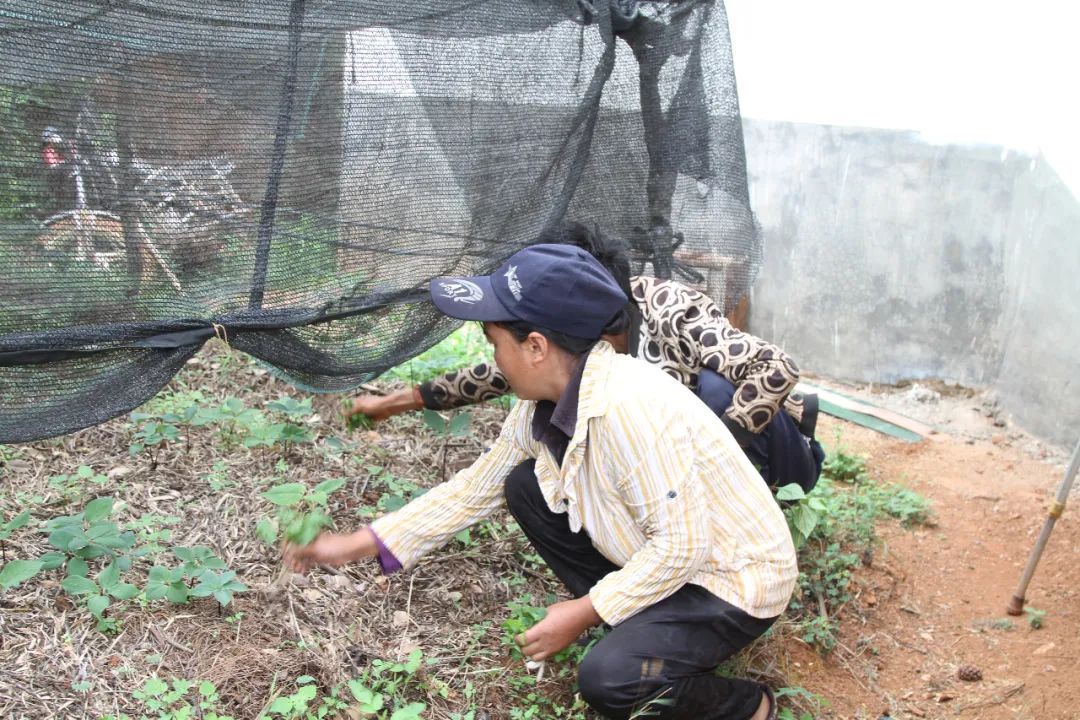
{"x": 672, "y": 493}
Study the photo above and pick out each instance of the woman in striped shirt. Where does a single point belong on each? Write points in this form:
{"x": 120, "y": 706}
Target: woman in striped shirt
{"x": 630, "y": 488}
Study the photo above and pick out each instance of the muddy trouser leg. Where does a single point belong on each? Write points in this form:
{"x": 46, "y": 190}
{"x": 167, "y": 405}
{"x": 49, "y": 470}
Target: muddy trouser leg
{"x": 665, "y": 654}
{"x": 782, "y": 453}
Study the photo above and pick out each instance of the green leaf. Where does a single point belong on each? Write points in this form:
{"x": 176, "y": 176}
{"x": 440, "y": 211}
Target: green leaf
{"x": 184, "y": 553}
{"x": 108, "y": 577}
{"x": 790, "y": 492}
{"x": 77, "y": 566}
{"x": 224, "y": 597}
{"x": 69, "y": 539}
{"x": 76, "y": 585}
{"x": 154, "y": 687}
{"x": 435, "y": 421}
{"x": 123, "y": 591}
{"x": 99, "y": 509}
{"x": 267, "y": 531}
{"x": 285, "y": 494}
{"x": 330, "y": 486}
{"x": 306, "y": 693}
{"x": 459, "y": 425}
{"x": 16, "y": 572}
{"x": 368, "y": 701}
{"x": 305, "y": 680}
{"x": 177, "y": 593}
{"x": 806, "y": 520}
{"x": 413, "y": 663}
{"x": 18, "y": 521}
{"x": 281, "y": 706}
{"x": 97, "y": 604}
{"x": 52, "y": 560}
{"x": 412, "y": 711}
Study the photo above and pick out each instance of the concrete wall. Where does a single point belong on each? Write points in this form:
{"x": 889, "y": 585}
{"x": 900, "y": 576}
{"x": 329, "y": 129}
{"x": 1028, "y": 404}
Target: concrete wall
{"x": 890, "y": 258}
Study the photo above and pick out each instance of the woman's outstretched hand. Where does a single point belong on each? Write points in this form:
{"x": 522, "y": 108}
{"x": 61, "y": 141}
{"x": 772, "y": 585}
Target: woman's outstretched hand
{"x": 380, "y": 407}
{"x": 332, "y": 549}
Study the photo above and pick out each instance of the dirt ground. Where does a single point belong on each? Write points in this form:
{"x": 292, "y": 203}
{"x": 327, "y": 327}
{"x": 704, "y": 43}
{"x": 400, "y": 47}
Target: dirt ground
{"x": 928, "y": 601}
{"x": 933, "y": 599}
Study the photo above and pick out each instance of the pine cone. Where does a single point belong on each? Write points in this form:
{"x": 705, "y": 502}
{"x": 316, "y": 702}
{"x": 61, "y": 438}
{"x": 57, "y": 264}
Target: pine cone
{"x": 969, "y": 673}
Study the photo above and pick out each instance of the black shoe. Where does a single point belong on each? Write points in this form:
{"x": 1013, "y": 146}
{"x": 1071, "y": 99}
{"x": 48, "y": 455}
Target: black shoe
{"x": 808, "y": 423}
{"x": 767, "y": 691}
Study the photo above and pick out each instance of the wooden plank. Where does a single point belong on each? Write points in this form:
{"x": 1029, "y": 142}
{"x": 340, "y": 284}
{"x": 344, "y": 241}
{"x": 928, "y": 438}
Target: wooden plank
{"x": 859, "y": 406}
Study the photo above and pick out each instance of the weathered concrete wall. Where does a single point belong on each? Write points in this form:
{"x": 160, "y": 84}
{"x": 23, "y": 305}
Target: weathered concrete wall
{"x": 888, "y": 258}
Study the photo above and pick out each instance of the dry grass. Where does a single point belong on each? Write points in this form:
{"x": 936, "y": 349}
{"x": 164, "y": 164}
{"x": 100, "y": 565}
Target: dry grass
{"x": 55, "y": 664}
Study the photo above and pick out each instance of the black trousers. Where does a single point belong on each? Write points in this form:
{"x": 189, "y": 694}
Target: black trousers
{"x": 780, "y": 452}
{"x": 666, "y": 653}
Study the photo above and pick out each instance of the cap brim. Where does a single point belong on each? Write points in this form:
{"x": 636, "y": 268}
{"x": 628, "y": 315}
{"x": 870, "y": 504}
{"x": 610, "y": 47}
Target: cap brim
{"x": 469, "y": 298}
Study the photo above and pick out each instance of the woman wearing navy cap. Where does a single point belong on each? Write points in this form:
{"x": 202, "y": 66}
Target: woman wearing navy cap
{"x": 629, "y": 487}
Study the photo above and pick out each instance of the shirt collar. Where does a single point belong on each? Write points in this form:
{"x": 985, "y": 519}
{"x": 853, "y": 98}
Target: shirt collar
{"x": 562, "y": 415}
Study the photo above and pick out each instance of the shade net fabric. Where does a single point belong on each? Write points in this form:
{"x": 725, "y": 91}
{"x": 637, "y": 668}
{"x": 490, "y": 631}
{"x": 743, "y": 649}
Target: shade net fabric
{"x": 287, "y": 176}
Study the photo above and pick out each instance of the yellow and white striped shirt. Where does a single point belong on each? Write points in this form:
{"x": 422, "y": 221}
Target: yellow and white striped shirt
{"x": 651, "y": 474}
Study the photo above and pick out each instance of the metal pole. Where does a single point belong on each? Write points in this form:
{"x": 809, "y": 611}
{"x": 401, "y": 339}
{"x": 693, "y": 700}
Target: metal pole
{"x": 1016, "y": 604}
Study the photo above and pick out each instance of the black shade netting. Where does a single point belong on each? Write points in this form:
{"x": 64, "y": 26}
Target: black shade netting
{"x": 287, "y": 175}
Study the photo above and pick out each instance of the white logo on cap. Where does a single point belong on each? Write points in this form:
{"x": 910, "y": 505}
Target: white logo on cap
{"x": 513, "y": 283}
{"x": 462, "y": 291}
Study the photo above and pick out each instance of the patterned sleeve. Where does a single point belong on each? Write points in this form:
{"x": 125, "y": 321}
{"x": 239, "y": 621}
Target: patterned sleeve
{"x": 684, "y": 331}
{"x": 464, "y": 387}
{"x": 762, "y": 373}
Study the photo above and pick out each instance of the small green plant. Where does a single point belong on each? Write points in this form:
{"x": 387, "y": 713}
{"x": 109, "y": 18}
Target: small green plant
{"x": 820, "y": 632}
{"x": 218, "y": 477}
{"x": 804, "y": 697}
{"x": 151, "y": 531}
{"x": 220, "y": 585}
{"x": 295, "y": 705}
{"x": 178, "y": 700}
{"x": 396, "y": 491}
{"x": 74, "y": 486}
{"x": 154, "y": 435}
{"x": 842, "y": 466}
{"x": 802, "y": 512}
{"x": 301, "y": 514}
{"x": 381, "y": 692}
{"x": 16, "y": 572}
{"x": 523, "y": 615}
{"x": 9, "y": 527}
{"x": 456, "y": 426}
{"x": 1035, "y": 617}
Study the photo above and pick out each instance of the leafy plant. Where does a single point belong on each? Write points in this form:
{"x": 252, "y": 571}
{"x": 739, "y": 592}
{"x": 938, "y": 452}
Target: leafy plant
{"x": 178, "y": 700}
{"x": 1035, "y": 617}
{"x": 73, "y": 486}
{"x": 842, "y": 466}
{"x": 154, "y": 434}
{"x": 220, "y": 585}
{"x": 301, "y": 514}
{"x": 802, "y": 513}
{"x": 456, "y": 426}
{"x": 17, "y": 572}
{"x": 7, "y": 528}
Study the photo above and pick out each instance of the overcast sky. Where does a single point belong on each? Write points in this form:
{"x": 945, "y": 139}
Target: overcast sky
{"x": 956, "y": 70}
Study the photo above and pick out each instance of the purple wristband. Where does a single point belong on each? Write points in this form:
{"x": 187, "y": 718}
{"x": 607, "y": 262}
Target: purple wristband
{"x": 387, "y": 561}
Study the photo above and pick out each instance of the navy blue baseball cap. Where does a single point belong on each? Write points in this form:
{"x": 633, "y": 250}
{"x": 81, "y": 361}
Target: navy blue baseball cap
{"x": 558, "y": 287}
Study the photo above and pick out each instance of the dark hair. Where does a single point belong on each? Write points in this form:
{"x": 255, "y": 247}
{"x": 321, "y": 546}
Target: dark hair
{"x": 520, "y": 329}
{"x": 611, "y": 252}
